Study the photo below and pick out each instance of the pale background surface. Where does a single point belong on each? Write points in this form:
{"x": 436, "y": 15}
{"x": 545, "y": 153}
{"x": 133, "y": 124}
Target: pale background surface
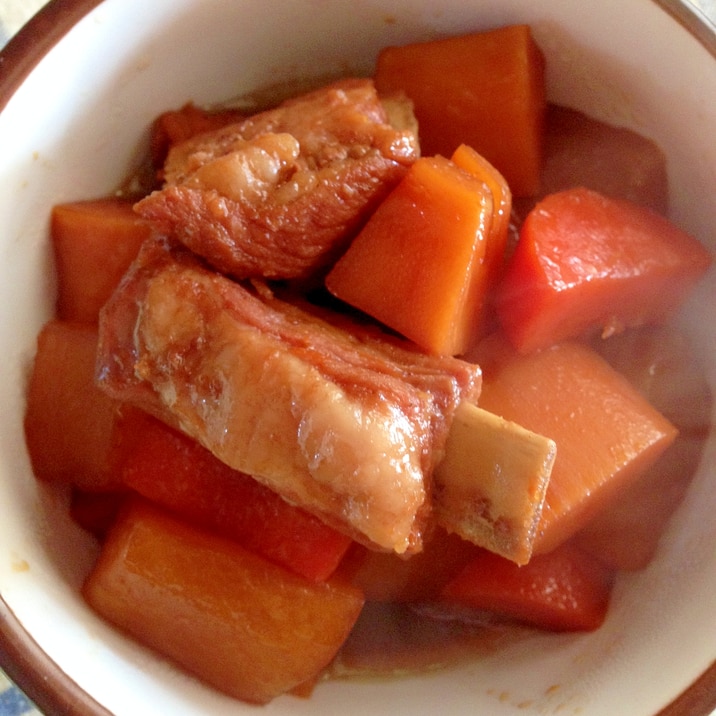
{"x": 13, "y": 15}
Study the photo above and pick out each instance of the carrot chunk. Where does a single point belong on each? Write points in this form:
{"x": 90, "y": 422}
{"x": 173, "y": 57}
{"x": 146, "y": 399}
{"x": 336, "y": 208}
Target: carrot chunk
{"x": 586, "y": 262}
{"x": 606, "y": 433}
{"x": 416, "y": 266}
{"x": 497, "y": 245}
{"x": 239, "y": 622}
{"x": 94, "y": 243}
{"x": 68, "y": 420}
{"x": 564, "y": 590}
{"x": 176, "y": 472}
{"x": 474, "y": 163}
{"x": 483, "y": 89}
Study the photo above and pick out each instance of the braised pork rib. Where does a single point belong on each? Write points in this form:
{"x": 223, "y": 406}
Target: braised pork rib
{"x": 279, "y": 194}
{"x": 347, "y": 424}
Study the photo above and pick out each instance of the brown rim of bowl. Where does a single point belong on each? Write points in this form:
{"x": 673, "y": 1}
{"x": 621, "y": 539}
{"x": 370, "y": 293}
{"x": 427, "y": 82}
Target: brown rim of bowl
{"x": 36, "y": 39}
{"x": 20, "y": 656}
{"x": 52, "y": 691}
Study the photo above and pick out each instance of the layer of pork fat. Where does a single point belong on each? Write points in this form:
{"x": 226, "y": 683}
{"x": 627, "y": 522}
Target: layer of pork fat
{"x": 279, "y": 194}
{"x": 344, "y": 424}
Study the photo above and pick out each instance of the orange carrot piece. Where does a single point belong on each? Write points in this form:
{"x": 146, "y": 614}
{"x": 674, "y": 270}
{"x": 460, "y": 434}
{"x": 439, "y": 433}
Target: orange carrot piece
{"x": 565, "y": 590}
{"x": 246, "y": 626}
{"x": 494, "y": 260}
{"x": 586, "y": 262}
{"x": 606, "y": 433}
{"x": 68, "y": 420}
{"x": 484, "y": 89}
{"x": 416, "y": 265}
{"x": 177, "y": 473}
{"x": 474, "y": 163}
{"x": 94, "y": 243}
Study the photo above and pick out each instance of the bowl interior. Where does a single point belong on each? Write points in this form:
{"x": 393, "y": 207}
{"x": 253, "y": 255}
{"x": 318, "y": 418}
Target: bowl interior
{"x": 78, "y": 125}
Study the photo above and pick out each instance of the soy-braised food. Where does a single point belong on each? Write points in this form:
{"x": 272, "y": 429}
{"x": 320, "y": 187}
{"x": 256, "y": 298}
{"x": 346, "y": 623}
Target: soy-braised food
{"x": 273, "y": 457}
{"x": 279, "y": 194}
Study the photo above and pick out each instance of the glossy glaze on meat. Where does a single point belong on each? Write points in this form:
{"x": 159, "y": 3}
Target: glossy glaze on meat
{"x": 344, "y": 423}
{"x": 279, "y": 194}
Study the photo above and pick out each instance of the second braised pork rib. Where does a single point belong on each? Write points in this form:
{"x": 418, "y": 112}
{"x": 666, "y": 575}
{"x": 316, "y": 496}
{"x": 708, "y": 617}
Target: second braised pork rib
{"x": 279, "y": 194}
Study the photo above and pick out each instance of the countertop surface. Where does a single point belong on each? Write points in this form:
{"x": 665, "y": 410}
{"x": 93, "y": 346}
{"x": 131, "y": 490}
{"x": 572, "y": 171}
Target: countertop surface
{"x": 13, "y": 15}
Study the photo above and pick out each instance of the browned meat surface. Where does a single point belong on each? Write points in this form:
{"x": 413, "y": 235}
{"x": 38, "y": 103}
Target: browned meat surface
{"x": 278, "y": 194}
{"x": 343, "y": 423}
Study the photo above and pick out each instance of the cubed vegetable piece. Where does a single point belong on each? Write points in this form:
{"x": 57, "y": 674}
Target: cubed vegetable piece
{"x": 483, "y": 89}
{"x": 474, "y": 163}
{"x": 661, "y": 363}
{"x": 491, "y": 484}
{"x": 565, "y": 590}
{"x": 239, "y": 622}
{"x": 417, "y": 264}
{"x": 68, "y": 420}
{"x": 386, "y": 577}
{"x": 502, "y": 233}
{"x": 585, "y": 262}
{"x": 94, "y": 243}
{"x": 615, "y": 161}
{"x": 176, "y": 472}
{"x": 606, "y": 433}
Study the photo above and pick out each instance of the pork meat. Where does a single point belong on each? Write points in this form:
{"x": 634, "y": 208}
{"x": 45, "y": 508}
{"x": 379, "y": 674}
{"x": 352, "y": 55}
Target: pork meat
{"x": 348, "y": 424}
{"x": 279, "y": 194}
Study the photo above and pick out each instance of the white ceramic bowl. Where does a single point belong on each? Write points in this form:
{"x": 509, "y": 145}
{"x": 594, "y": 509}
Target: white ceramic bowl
{"x": 80, "y": 85}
